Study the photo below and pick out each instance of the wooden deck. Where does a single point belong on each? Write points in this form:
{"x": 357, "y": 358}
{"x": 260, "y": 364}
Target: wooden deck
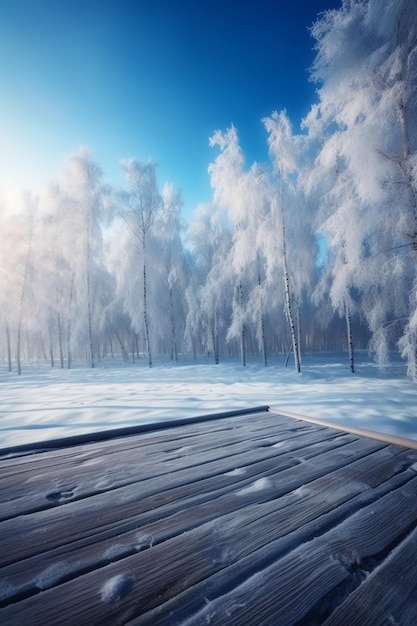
{"x": 257, "y": 518}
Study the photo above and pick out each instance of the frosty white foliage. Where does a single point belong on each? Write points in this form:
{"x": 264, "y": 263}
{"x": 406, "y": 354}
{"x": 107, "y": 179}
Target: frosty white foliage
{"x": 281, "y": 143}
{"x": 225, "y": 173}
{"x": 367, "y": 116}
{"x": 334, "y": 211}
{"x": 140, "y": 207}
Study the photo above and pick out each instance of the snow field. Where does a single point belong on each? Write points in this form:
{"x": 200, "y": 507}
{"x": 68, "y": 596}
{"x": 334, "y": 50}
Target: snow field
{"x": 45, "y": 403}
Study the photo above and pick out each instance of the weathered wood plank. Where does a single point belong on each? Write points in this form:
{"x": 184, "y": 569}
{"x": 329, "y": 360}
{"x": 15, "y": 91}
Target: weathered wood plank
{"x": 46, "y": 490}
{"x": 257, "y": 514}
{"x": 72, "y": 521}
{"x": 182, "y": 523}
{"x": 147, "y": 448}
{"x": 151, "y": 433}
{"x": 292, "y": 588}
{"x": 388, "y": 595}
{"x": 310, "y": 503}
{"x": 151, "y": 444}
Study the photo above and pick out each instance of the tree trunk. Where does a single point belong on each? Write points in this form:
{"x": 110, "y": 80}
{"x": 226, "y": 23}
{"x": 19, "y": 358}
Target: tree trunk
{"x": 288, "y": 355}
{"x": 215, "y": 339}
{"x": 299, "y": 332}
{"x": 349, "y": 338}
{"x": 60, "y": 346}
{"x": 122, "y": 347}
{"x": 90, "y": 324}
{"x": 42, "y": 346}
{"x": 51, "y": 348}
{"x": 145, "y": 308}
{"x": 173, "y": 328}
{"x": 261, "y": 318}
{"x": 69, "y": 354}
{"x": 9, "y": 349}
{"x": 136, "y": 338}
{"x": 22, "y": 299}
{"x": 18, "y": 363}
{"x": 133, "y": 349}
{"x": 216, "y": 349}
{"x": 242, "y": 347}
{"x": 90, "y": 336}
{"x": 289, "y": 310}
{"x": 263, "y": 340}
{"x": 242, "y": 327}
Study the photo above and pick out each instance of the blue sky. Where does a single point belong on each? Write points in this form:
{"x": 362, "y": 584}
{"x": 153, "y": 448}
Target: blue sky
{"x": 148, "y": 79}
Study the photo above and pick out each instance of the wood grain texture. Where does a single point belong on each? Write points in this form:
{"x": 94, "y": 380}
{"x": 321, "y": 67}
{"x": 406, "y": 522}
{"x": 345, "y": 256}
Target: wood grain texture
{"x": 257, "y": 519}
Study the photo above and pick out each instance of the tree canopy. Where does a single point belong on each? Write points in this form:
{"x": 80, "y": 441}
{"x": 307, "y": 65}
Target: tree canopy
{"x": 314, "y": 249}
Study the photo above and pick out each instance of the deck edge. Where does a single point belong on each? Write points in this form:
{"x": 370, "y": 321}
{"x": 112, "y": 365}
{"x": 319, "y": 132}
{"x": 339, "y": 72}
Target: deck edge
{"x": 104, "y": 435}
{"x": 353, "y": 430}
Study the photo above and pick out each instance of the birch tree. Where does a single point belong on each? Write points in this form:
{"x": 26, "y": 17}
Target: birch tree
{"x": 175, "y": 272}
{"x": 55, "y": 251}
{"x": 26, "y": 265}
{"x": 226, "y": 177}
{"x": 246, "y": 197}
{"x": 82, "y": 196}
{"x": 282, "y": 147}
{"x": 11, "y": 240}
{"x": 209, "y": 305}
{"x": 140, "y": 207}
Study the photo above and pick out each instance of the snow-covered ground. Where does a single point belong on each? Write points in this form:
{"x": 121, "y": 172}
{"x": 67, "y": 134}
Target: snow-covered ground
{"x": 45, "y": 403}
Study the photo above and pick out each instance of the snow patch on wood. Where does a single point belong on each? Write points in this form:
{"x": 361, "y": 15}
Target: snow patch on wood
{"x": 116, "y": 587}
{"x": 53, "y": 574}
{"x": 258, "y": 485}
{"x": 236, "y": 472}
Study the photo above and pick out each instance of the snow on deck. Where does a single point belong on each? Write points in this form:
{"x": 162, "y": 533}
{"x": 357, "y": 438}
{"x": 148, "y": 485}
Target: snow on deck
{"x": 255, "y": 518}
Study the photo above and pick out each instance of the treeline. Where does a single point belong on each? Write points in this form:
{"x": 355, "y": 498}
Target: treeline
{"x": 314, "y": 250}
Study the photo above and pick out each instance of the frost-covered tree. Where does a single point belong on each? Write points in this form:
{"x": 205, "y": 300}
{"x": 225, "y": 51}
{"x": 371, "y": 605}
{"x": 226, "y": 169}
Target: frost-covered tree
{"x": 245, "y": 195}
{"x": 292, "y": 232}
{"x": 208, "y": 296}
{"x": 174, "y": 270}
{"x": 29, "y": 219}
{"x": 227, "y": 179}
{"x": 7, "y": 244}
{"x": 82, "y": 195}
{"x": 124, "y": 316}
{"x": 140, "y": 207}
{"x": 55, "y": 279}
{"x": 367, "y": 115}
{"x": 251, "y": 243}
{"x": 14, "y": 240}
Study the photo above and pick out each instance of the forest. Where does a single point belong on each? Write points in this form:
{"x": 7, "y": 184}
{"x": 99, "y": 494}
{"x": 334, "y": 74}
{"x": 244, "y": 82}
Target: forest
{"x": 315, "y": 249}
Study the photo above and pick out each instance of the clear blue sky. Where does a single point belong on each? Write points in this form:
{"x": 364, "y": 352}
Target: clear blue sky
{"x": 149, "y": 79}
